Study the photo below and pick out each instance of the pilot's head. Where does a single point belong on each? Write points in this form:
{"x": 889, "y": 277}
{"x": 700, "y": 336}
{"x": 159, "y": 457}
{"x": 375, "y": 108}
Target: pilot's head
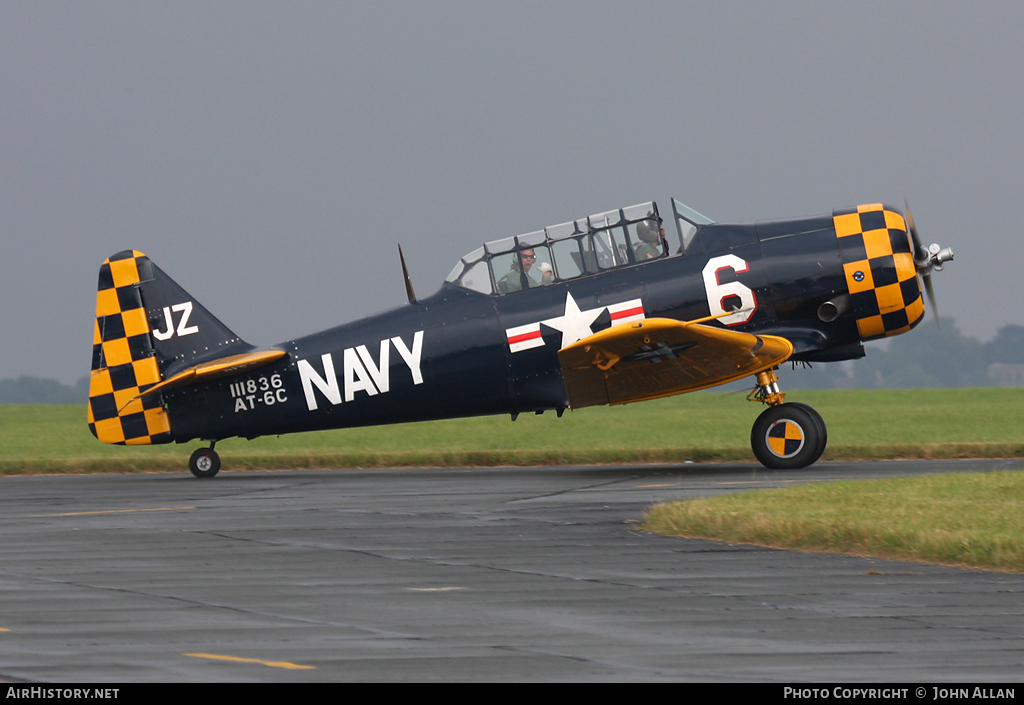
{"x": 527, "y": 257}
{"x": 648, "y": 231}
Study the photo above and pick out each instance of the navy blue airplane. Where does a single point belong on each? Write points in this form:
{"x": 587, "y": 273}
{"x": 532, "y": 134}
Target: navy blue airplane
{"x": 600, "y": 310}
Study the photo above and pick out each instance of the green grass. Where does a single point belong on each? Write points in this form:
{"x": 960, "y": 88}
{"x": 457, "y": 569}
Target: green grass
{"x": 973, "y": 520}
{"x": 706, "y": 426}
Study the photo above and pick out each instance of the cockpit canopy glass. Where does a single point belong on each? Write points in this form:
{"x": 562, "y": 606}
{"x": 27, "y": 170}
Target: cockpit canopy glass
{"x": 600, "y": 242}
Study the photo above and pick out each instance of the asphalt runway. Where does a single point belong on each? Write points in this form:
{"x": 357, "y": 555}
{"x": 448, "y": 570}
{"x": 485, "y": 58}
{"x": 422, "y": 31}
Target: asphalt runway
{"x": 467, "y": 574}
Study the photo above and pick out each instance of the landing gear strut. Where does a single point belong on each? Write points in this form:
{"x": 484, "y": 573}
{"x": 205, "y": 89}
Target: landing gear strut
{"x": 785, "y": 436}
{"x": 204, "y": 462}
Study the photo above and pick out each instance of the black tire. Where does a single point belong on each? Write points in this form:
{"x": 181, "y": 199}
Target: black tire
{"x": 204, "y": 462}
{"x": 822, "y": 430}
{"x": 787, "y": 437}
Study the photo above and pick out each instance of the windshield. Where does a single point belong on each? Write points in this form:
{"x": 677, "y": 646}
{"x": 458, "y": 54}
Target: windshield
{"x": 687, "y": 222}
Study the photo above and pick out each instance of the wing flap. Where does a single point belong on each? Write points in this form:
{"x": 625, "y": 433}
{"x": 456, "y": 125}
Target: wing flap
{"x": 659, "y": 357}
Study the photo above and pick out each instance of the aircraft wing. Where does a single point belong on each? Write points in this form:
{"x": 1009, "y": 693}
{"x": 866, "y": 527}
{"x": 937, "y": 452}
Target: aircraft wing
{"x": 659, "y": 357}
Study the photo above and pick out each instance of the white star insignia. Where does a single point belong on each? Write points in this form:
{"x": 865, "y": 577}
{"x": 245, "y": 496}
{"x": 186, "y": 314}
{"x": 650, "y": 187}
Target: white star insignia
{"x": 574, "y": 324}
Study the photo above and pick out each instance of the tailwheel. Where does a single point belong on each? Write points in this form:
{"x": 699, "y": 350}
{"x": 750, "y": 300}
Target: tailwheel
{"x": 788, "y": 436}
{"x": 204, "y": 462}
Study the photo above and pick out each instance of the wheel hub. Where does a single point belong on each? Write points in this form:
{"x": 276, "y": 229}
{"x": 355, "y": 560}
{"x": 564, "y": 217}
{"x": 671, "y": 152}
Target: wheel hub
{"x": 785, "y": 438}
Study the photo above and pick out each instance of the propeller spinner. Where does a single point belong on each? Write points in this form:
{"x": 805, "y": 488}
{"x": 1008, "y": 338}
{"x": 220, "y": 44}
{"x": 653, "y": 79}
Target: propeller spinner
{"x": 927, "y": 259}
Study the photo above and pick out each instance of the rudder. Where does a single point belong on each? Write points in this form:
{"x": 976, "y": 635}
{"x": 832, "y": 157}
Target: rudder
{"x": 123, "y": 360}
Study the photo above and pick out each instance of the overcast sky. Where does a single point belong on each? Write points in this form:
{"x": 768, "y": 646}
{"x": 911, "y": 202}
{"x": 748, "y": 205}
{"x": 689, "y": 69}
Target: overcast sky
{"x": 270, "y": 155}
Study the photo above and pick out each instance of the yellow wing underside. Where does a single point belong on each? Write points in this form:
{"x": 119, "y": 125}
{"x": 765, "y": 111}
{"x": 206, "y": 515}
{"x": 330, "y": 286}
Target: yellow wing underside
{"x": 659, "y": 357}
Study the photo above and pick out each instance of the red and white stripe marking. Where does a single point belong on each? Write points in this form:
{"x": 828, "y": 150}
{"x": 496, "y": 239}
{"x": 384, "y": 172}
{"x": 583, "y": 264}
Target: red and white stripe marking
{"x": 524, "y": 337}
{"x": 627, "y": 312}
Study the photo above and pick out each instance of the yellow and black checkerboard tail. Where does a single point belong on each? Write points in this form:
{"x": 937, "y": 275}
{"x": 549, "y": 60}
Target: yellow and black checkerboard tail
{"x": 881, "y": 276}
{"x": 148, "y": 329}
{"x": 124, "y": 362}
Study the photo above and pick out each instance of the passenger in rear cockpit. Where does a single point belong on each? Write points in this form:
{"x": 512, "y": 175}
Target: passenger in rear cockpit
{"x": 651, "y": 236}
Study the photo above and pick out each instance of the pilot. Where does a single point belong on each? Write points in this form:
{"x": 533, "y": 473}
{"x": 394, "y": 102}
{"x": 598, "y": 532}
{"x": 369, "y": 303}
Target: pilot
{"x": 512, "y": 280}
{"x": 651, "y": 238}
{"x": 547, "y": 274}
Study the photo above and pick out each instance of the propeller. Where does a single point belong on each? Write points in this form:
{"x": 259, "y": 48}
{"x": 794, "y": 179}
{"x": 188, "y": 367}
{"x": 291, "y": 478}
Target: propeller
{"x": 926, "y": 259}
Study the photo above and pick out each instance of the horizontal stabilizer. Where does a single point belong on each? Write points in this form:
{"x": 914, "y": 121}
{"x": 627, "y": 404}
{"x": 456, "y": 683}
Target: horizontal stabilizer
{"x": 659, "y": 357}
{"x": 215, "y": 369}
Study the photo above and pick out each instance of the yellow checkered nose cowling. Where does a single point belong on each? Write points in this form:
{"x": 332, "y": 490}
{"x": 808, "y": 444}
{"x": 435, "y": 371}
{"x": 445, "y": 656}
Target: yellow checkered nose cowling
{"x": 878, "y": 262}
{"x": 123, "y": 361}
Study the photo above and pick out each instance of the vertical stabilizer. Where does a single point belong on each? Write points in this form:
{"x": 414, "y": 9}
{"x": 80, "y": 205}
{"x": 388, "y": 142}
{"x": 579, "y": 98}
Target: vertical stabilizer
{"x": 147, "y": 329}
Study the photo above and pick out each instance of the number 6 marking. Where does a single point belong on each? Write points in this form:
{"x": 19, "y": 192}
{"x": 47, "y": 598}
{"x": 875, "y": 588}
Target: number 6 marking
{"x": 717, "y": 292}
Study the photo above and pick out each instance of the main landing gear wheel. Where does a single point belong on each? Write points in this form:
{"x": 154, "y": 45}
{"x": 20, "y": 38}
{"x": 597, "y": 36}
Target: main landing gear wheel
{"x": 821, "y": 429}
{"x": 204, "y": 462}
{"x": 788, "y": 436}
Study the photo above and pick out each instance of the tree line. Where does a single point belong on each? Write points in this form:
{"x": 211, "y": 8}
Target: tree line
{"x": 930, "y": 357}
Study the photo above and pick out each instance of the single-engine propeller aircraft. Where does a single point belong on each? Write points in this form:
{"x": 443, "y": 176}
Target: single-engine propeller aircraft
{"x": 601, "y": 310}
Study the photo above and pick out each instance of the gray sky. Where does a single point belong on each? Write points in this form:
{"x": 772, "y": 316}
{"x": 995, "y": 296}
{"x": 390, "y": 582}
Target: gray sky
{"x": 269, "y": 156}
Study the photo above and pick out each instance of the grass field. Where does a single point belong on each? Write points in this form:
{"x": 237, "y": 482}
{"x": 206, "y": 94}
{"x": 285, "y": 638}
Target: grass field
{"x": 973, "y": 520}
{"x": 706, "y": 426}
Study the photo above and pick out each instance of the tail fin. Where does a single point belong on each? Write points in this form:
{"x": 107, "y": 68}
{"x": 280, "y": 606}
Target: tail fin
{"x": 147, "y": 329}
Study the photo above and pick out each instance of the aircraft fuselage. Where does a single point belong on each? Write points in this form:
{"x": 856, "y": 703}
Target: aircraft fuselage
{"x": 463, "y": 353}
